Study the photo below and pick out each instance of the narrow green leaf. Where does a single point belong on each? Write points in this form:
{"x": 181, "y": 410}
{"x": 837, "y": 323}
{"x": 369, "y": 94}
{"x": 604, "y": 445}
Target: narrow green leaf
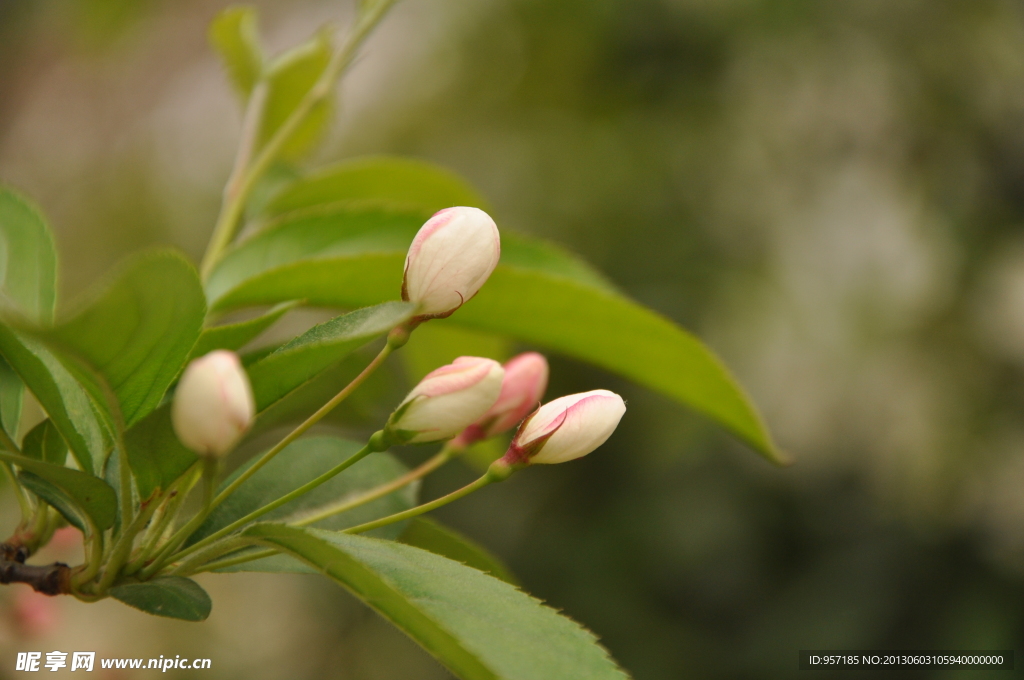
{"x": 112, "y": 476}
{"x": 175, "y": 597}
{"x": 138, "y": 332}
{"x": 90, "y": 494}
{"x": 56, "y": 498}
{"x": 43, "y": 442}
{"x": 12, "y": 396}
{"x": 441, "y": 540}
{"x": 301, "y": 462}
{"x": 537, "y": 295}
{"x": 233, "y": 336}
{"x": 282, "y": 371}
{"x": 234, "y": 36}
{"x": 402, "y": 183}
{"x": 28, "y": 285}
{"x": 481, "y": 628}
{"x": 61, "y": 395}
{"x": 290, "y": 77}
{"x": 155, "y": 454}
{"x": 28, "y": 259}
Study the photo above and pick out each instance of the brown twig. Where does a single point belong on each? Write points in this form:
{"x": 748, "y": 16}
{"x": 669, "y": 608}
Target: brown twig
{"x": 49, "y": 579}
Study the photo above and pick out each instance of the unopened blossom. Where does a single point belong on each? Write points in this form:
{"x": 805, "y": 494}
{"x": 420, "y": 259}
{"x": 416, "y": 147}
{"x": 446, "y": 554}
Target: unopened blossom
{"x": 566, "y": 428}
{"x": 213, "y": 404}
{"x": 447, "y": 400}
{"x": 526, "y": 378}
{"x": 449, "y": 260}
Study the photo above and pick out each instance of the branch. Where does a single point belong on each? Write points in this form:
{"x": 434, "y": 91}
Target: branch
{"x": 49, "y": 579}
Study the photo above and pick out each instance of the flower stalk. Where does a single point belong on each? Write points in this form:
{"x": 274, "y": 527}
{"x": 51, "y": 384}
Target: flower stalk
{"x": 497, "y": 472}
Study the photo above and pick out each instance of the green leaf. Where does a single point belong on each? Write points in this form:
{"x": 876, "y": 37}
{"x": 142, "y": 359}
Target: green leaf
{"x": 301, "y": 462}
{"x": 233, "y": 336}
{"x": 331, "y": 232}
{"x": 90, "y": 494}
{"x": 441, "y": 540}
{"x": 28, "y": 259}
{"x": 402, "y": 183}
{"x": 112, "y": 476}
{"x": 12, "y": 396}
{"x": 481, "y": 628}
{"x": 175, "y": 597}
{"x": 538, "y": 295}
{"x": 155, "y": 454}
{"x": 28, "y": 285}
{"x": 340, "y": 231}
{"x": 234, "y": 36}
{"x": 287, "y": 368}
{"x": 138, "y": 332}
{"x": 56, "y": 498}
{"x": 289, "y": 78}
{"x": 63, "y": 398}
{"x": 43, "y": 442}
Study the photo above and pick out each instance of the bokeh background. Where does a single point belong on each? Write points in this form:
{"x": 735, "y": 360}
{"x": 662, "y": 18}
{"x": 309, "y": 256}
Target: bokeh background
{"x": 831, "y": 194}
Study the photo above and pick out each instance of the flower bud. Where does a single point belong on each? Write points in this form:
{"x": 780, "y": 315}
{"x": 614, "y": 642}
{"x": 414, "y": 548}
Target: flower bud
{"x": 567, "y": 428}
{"x": 449, "y": 260}
{"x": 526, "y": 378}
{"x": 213, "y": 405}
{"x": 447, "y": 400}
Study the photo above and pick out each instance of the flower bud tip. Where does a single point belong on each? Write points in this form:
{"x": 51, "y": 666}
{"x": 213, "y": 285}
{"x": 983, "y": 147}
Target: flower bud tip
{"x": 450, "y": 258}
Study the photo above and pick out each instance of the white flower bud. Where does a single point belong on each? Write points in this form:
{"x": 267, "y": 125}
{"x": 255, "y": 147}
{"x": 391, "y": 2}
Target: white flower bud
{"x": 567, "y": 428}
{"x": 449, "y": 260}
{"x": 213, "y": 404}
{"x": 447, "y": 400}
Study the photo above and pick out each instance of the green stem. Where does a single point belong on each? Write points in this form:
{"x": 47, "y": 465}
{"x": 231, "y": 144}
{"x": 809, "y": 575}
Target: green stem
{"x": 233, "y": 200}
{"x": 287, "y": 498}
{"x": 424, "y": 469}
{"x": 123, "y": 547}
{"x": 442, "y": 457}
{"x": 190, "y": 566}
{"x": 95, "y": 540}
{"x": 489, "y": 477}
{"x": 234, "y": 204}
{"x": 307, "y": 423}
{"x": 184, "y": 532}
{"x": 241, "y": 559}
{"x": 162, "y": 518}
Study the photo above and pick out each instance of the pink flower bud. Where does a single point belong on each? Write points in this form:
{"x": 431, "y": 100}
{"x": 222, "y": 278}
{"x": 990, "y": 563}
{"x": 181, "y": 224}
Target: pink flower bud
{"x": 567, "y": 428}
{"x": 449, "y": 260}
{"x": 526, "y": 378}
{"x": 447, "y": 400}
{"x": 213, "y": 405}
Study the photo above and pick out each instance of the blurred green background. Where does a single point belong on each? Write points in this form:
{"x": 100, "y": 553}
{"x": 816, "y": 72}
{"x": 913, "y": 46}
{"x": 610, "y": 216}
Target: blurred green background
{"x": 831, "y": 194}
